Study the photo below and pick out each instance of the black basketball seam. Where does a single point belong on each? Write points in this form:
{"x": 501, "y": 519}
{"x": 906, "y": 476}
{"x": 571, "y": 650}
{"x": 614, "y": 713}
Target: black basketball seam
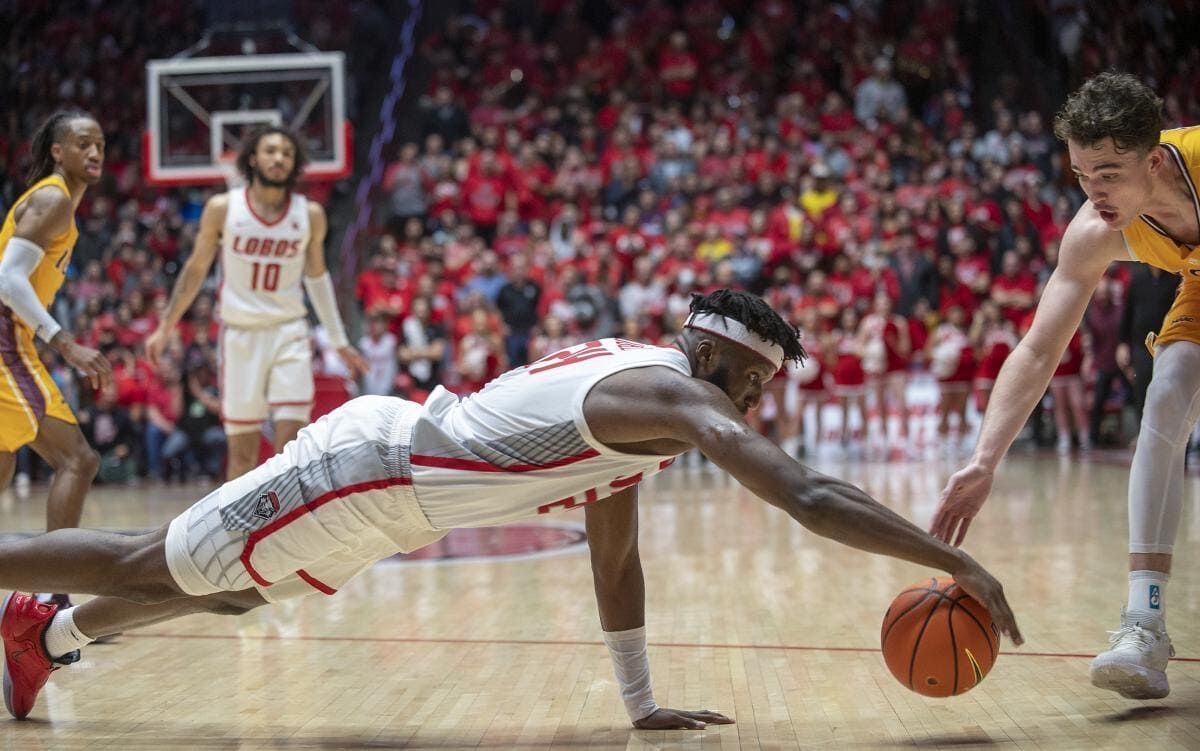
{"x": 953, "y": 642}
{"x": 908, "y": 610}
{"x": 912, "y": 662}
{"x": 993, "y": 647}
{"x": 929, "y": 589}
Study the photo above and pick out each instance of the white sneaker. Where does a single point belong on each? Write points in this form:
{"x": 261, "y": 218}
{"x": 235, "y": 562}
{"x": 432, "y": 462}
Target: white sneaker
{"x": 1135, "y": 666}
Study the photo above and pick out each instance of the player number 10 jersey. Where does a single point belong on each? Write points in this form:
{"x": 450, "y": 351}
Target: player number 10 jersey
{"x": 262, "y": 263}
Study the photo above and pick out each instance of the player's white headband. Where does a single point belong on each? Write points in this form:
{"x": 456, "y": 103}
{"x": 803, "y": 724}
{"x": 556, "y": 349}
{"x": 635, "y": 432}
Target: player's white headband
{"x": 735, "y": 331}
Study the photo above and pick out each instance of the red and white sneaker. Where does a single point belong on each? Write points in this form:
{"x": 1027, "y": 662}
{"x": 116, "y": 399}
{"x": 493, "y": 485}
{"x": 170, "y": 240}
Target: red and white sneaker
{"x": 27, "y": 666}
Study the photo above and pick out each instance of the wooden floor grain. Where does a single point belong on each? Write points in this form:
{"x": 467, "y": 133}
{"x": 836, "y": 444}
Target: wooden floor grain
{"x": 747, "y": 613}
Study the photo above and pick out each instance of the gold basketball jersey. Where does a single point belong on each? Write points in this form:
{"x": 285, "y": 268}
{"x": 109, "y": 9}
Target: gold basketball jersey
{"x": 48, "y": 276}
{"x": 1148, "y": 241}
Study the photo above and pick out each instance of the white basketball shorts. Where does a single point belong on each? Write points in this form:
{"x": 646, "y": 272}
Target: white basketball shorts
{"x": 337, "y": 499}
{"x": 265, "y": 372}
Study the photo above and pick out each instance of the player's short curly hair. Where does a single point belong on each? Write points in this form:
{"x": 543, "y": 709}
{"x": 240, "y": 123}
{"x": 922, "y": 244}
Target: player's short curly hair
{"x": 250, "y": 146}
{"x": 1112, "y": 105}
{"x": 753, "y": 313}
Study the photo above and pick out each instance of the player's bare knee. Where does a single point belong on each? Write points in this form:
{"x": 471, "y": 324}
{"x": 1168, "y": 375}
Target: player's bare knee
{"x": 233, "y": 603}
{"x": 228, "y": 608}
{"x": 141, "y": 574}
{"x": 86, "y": 462}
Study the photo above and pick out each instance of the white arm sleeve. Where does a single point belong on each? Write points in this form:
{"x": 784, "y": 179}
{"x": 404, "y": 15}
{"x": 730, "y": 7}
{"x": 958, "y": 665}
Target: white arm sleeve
{"x": 320, "y": 291}
{"x": 20, "y": 259}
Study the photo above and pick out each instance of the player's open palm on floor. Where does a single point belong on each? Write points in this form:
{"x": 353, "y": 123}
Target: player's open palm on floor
{"x": 681, "y": 719}
{"x": 961, "y": 500}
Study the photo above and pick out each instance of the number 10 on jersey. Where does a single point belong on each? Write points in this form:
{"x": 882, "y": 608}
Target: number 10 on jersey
{"x": 266, "y": 275}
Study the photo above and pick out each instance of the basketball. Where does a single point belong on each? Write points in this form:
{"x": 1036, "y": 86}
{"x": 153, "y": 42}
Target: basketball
{"x": 938, "y": 640}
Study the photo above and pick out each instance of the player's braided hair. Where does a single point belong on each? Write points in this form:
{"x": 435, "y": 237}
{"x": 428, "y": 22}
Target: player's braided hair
{"x": 50, "y": 132}
{"x": 250, "y": 145}
{"x": 753, "y": 313}
{"x": 1112, "y": 105}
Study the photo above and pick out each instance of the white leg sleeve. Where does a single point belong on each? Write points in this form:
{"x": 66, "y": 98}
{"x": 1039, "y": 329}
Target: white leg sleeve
{"x": 1156, "y": 477}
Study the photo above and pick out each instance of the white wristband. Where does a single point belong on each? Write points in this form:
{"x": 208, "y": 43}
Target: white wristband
{"x": 320, "y": 291}
{"x": 632, "y": 667}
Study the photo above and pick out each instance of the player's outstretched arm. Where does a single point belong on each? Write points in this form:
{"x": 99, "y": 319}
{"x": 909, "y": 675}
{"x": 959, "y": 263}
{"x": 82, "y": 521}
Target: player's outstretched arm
{"x": 45, "y": 216}
{"x": 319, "y": 286}
{"x": 191, "y": 277}
{"x": 621, "y": 598}
{"x": 1088, "y": 247}
{"x": 667, "y": 406}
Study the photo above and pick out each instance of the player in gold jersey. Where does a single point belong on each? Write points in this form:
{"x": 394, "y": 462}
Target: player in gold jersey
{"x": 1143, "y": 205}
{"x": 36, "y": 241}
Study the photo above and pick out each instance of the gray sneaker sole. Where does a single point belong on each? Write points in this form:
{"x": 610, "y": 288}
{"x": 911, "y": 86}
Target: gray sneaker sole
{"x": 1131, "y": 681}
{"x": 7, "y": 678}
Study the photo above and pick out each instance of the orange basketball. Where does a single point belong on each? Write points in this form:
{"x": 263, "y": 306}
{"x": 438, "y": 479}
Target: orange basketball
{"x": 937, "y": 639}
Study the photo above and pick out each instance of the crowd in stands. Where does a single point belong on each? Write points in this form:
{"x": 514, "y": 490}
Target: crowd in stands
{"x": 582, "y": 168}
{"x": 580, "y": 177}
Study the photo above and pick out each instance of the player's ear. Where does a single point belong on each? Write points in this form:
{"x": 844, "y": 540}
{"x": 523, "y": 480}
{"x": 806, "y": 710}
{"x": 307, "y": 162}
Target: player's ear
{"x": 1156, "y": 159}
{"x": 706, "y": 353}
{"x": 56, "y": 151}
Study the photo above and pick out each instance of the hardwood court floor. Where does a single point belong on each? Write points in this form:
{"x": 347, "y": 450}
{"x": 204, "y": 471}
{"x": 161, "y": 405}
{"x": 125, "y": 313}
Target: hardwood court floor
{"x": 747, "y": 613}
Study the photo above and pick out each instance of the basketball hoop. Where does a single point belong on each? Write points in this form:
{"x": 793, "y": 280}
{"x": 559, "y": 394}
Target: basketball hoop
{"x": 187, "y": 137}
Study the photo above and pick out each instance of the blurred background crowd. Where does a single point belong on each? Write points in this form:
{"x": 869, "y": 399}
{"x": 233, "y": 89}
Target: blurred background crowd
{"x": 884, "y": 173}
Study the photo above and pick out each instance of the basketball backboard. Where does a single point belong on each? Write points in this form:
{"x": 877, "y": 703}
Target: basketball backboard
{"x": 198, "y": 110}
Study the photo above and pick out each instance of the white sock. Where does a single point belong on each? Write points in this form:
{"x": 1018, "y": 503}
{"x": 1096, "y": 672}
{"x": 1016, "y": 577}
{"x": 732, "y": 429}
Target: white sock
{"x": 1148, "y": 592}
{"x": 63, "y": 636}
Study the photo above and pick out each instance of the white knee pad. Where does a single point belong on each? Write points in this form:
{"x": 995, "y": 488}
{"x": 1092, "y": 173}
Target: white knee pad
{"x": 1156, "y": 476}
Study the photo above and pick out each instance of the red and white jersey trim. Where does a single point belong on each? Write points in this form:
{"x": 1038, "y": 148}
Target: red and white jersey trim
{"x": 521, "y": 446}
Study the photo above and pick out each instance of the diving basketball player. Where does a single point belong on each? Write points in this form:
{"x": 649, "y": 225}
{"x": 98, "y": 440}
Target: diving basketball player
{"x": 581, "y": 427}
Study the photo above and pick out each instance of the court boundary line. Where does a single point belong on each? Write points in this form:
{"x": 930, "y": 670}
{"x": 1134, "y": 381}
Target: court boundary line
{"x": 576, "y": 643}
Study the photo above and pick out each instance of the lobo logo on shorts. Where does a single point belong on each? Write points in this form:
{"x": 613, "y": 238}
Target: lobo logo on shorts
{"x": 267, "y": 506}
{"x": 1155, "y": 597}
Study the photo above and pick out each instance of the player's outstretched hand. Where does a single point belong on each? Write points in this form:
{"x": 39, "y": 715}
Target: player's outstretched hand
{"x": 156, "y": 343}
{"x": 353, "y": 360}
{"x": 681, "y": 719}
{"x": 962, "y": 498}
{"x": 984, "y": 587}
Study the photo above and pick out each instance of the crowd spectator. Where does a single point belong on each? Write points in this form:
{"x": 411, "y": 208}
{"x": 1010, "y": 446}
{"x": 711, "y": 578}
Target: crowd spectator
{"x": 518, "y": 302}
{"x": 1102, "y": 324}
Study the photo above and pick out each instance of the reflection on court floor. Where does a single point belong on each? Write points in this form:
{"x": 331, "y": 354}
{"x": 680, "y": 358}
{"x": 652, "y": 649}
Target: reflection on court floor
{"x": 747, "y": 613}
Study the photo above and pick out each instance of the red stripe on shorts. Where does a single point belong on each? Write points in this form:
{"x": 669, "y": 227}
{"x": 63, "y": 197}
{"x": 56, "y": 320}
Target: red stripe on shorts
{"x": 316, "y": 583}
{"x": 308, "y": 507}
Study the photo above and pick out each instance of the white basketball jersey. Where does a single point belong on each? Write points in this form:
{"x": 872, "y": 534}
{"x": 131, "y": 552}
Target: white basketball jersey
{"x": 521, "y": 446}
{"x": 262, "y": 263}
